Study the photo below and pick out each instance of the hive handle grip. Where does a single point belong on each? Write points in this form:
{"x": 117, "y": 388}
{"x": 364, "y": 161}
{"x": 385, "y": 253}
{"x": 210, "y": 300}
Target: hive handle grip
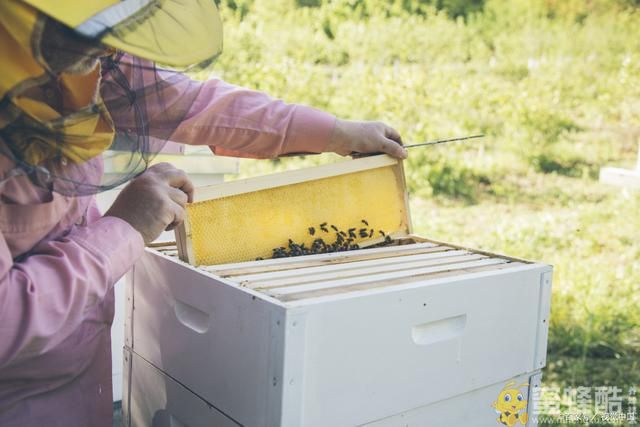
{"x": 191, "y": 317}
{"x": 439, "y": 330}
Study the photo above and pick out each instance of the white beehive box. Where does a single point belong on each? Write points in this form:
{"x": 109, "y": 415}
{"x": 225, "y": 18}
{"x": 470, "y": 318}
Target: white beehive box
{"x": 416, "y": 334}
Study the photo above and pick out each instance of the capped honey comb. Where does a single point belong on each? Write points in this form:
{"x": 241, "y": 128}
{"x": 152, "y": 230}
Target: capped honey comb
{"x": 245, "y": 220}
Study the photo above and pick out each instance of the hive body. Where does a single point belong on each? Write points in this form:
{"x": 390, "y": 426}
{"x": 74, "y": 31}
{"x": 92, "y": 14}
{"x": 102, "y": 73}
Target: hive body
{"x": 367, "y": 337}
{"x": 416, "y": 332}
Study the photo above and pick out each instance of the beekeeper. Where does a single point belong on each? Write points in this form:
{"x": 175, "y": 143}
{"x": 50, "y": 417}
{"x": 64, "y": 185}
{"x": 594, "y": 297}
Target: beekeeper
{"x": 79, "y": 78}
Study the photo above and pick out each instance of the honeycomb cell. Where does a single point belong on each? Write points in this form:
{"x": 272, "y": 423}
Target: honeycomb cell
{"x": 246, "y": 226}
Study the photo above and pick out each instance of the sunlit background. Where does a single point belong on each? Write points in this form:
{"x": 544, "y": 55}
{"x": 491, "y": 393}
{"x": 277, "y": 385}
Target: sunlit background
{"x": 555, "y": 87}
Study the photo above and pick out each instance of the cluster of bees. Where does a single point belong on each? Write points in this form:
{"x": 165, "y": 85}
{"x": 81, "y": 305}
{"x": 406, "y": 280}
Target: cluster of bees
{"x": 344, "y": 240}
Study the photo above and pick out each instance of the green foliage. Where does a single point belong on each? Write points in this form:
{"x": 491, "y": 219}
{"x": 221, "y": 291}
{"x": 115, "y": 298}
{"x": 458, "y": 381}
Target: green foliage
{"x": 553, "y": 84}
{"x": 576, "y": 10}
{"x": 446, "y": 179}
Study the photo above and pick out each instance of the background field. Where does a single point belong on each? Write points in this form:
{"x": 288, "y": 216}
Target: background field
{"x": 555, "y": 86}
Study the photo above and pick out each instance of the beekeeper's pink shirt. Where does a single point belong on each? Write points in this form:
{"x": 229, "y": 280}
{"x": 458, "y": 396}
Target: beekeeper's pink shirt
{"x": 59, "y": 260}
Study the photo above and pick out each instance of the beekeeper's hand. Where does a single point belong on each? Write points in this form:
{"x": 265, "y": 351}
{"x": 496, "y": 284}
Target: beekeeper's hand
{"x": 352, "y": 138}
{"x": 154, "y": 201}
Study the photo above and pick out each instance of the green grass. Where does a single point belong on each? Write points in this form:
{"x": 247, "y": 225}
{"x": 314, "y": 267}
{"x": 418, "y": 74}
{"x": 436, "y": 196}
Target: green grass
{"x": 555, "y": 87}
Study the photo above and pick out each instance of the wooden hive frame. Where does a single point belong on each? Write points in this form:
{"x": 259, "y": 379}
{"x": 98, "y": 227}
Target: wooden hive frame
{"x": 184, "y": 232}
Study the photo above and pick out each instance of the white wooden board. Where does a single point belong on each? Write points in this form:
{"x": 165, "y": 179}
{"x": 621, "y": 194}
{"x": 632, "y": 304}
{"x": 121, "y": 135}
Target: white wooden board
{"x": 152, "y": 399}
{"x": 394, "y": 341}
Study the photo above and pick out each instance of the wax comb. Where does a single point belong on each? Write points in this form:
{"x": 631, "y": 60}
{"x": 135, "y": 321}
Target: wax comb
{"x": 246, "y": 219}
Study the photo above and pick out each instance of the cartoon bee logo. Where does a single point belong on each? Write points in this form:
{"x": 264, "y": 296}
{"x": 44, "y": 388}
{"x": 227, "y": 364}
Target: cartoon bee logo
{"x": 509, "y": 405}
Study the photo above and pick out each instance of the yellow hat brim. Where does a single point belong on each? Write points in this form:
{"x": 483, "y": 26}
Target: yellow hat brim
{"x": 177, "y": 34}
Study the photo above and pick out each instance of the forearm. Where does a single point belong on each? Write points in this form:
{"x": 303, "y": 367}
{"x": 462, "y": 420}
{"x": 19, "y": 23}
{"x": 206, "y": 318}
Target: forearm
{"x": 240, "y": 122}
{"x": 231, "y": 120}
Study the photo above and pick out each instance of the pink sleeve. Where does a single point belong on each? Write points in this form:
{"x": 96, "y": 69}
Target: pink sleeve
{"x": 231, "y": 120}
{"x": 44, "y": 297}
{"x": 239, "y": 122}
